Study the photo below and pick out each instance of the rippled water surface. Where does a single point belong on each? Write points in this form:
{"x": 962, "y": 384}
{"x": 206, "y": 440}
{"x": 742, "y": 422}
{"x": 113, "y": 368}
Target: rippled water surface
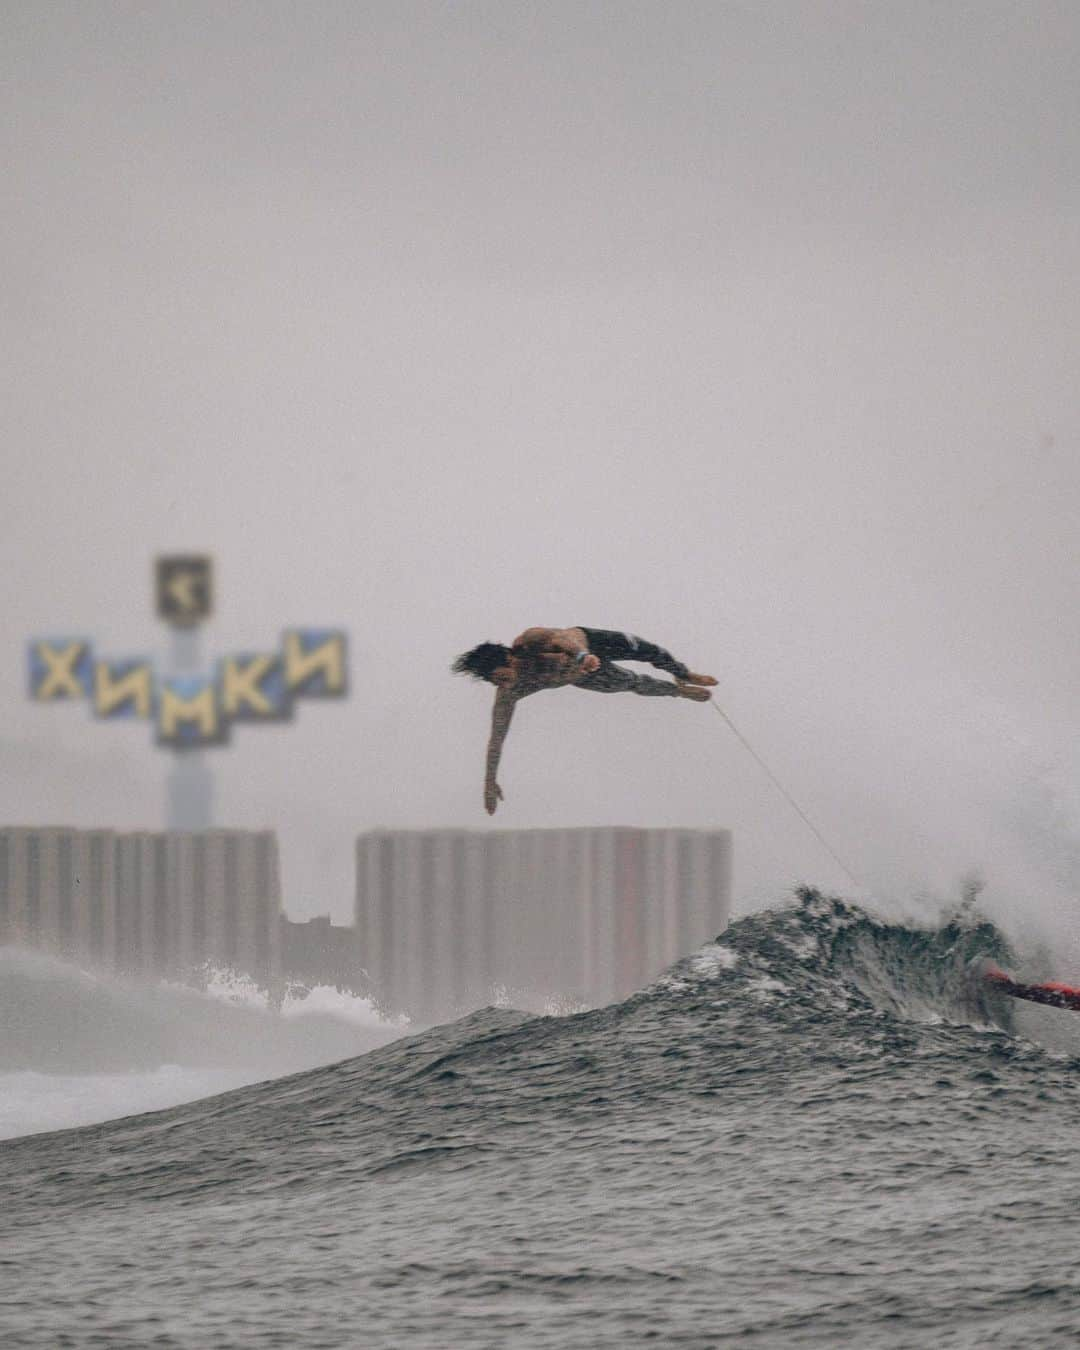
{"x": 812, "y": 1133}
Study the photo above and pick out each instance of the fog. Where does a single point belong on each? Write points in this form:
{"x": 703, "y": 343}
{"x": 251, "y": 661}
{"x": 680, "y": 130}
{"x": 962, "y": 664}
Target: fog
{"x": 751, "y": 328}
{"x": 76, "y": 1048}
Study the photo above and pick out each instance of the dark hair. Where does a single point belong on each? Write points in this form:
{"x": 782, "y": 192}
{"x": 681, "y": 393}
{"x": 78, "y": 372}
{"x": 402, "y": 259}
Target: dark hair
{"x": 482, "y": 662}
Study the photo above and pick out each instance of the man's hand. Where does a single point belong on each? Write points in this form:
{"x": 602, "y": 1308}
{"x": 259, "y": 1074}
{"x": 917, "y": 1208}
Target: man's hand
{"x": 590, "y": 663}
{"x": 492, "y": 797}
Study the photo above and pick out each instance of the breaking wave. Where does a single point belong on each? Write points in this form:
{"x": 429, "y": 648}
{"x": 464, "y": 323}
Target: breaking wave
{"x": 786, "y": 1136}
{"x": 78, "y": 1047}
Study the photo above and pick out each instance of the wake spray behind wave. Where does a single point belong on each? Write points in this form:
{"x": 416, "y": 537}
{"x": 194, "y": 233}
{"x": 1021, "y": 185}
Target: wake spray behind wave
{"x": 77, "y": 1048}
{"x": 823, "y": 954}
{"x": 56, "y": 1018}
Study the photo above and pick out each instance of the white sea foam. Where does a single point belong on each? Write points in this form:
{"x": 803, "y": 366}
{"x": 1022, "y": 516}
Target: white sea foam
{"x": 714, "y": 958}
{"x": 765, "y": 987}
{"x": 703, "y": 965}
{"x": 233, "y": 987}
{"x": 77, "y": 1048}
{"x": 327, "y": 1001}
{"x": 240, "y": 990}
{"x": 31, "y": 1102}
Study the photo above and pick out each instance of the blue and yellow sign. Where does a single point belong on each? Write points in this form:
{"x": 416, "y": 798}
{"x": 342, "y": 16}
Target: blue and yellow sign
{"x": 191, "y": 711}
{"x": 60, "y": 668}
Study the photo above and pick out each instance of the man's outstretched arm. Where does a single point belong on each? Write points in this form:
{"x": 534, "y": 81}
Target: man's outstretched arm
{"x": 501, "y": 714}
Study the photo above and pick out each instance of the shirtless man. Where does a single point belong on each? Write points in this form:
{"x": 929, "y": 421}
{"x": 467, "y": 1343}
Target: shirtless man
{"x": 548, "y": 658}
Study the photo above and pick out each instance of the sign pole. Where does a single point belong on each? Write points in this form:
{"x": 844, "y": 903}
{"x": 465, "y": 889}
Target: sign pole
{"x": 189, "y": 786}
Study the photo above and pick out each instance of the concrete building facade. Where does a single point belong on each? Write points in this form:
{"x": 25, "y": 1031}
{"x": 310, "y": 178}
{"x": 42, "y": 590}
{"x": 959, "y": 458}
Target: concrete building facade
{"x": 143, "y": 903}
{"x": 448, "y": 920}
{"x": 316, "y": 951}
{"x": 445, "y": 920}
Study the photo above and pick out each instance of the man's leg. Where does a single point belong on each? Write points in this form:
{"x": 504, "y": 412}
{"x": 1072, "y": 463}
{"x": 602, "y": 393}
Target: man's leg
{"x": 610, "y": 646}
{"x": 613, "y": 646}
{"x": 612, "y": 679}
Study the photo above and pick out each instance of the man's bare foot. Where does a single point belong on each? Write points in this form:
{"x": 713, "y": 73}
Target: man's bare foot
{"x": 692, "y": 691}
{"x": 691, "y": 678}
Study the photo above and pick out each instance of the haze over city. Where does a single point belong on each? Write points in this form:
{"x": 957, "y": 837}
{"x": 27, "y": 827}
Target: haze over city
{"x": 749, "y": 328}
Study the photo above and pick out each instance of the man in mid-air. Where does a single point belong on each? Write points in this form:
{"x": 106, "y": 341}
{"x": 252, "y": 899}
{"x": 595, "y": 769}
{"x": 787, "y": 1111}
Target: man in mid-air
{"x": 548, "y": 658}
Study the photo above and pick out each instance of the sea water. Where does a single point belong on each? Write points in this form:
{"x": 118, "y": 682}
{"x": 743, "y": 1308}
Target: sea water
{"x": 817, "y": 1131}
{"x": 77, "y": 1048}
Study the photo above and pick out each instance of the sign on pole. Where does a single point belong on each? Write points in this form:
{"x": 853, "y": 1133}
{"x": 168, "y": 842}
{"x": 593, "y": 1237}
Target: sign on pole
{"x": 184, "y": 589}
{"x": 189, "y": 707}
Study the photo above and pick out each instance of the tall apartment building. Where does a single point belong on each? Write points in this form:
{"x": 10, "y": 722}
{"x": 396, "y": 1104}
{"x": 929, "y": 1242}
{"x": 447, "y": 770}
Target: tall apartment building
{"x": 447, "y": 920}
{"x": 144, "y": 903}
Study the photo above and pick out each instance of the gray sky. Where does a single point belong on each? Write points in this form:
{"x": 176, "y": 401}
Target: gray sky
{"x": 750, "y": 327}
